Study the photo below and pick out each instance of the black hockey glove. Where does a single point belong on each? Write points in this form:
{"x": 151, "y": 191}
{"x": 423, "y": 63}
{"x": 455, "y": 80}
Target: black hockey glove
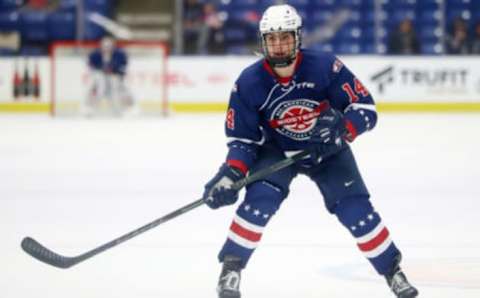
{"x": 218, "y": 191}
{"x": 328, "y": 136}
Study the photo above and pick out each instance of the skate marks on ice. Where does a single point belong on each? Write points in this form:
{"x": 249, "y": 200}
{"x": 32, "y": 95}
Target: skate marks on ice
{"x": 462, "y": 273}
{"x": 456, "y": 273}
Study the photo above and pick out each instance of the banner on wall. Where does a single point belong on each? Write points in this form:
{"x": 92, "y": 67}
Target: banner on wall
{"x": 209, "y": 79}
{"x": 417, "y": 79}
{"x": 193, "y": 79}
{"x": 389, "y": 79}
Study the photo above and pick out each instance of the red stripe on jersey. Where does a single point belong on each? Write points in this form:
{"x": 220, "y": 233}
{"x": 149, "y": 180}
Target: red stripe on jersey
{"x": 238, "y": 164}
{"x": 244, "y": 233}
{"x": 375, "y": 242}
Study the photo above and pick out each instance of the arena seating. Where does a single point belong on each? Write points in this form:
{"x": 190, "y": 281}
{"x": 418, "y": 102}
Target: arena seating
{"x": 365, "y": 32}
{"x": 358, "y": 34}
{"x": 38, "y": 28}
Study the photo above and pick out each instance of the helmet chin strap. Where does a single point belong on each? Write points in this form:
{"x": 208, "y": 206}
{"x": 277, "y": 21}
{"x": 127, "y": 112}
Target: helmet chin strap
{"x": 280, "y": 61}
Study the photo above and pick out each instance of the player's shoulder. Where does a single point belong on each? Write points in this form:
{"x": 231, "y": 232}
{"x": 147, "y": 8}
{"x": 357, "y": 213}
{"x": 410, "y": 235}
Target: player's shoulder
{"x": 251, "y": 74}
{"x": 321, "y": 61}
{"x": 94, "y": 57}
{"x": 95, "y": 52}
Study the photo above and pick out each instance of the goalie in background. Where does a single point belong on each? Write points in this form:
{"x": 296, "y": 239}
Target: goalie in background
{"x": 107, "y": 91}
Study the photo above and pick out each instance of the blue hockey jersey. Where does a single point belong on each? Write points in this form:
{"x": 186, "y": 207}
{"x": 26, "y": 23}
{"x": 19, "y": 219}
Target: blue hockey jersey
{"x": 117, "y": 64}
{"x": 283, "y": 111}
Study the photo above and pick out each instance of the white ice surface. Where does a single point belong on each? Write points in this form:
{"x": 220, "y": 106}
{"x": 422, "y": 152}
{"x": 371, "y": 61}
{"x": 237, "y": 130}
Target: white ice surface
{"x": 74, "y": 184}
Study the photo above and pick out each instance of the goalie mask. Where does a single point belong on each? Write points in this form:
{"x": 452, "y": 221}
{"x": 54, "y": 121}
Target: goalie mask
{"x": 280, "y": 19}
{"x": 107, "y": 44}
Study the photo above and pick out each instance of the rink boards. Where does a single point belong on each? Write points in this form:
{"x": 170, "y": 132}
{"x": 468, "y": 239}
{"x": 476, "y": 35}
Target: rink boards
{"x": 202, "y": 84}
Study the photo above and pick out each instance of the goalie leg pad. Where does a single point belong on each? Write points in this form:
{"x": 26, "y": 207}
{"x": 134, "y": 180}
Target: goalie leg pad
{"x": 261, "y": 202}
{"x": 96, "y": 87}
{"x": 366, "y": 226}
{"x": 120, "y": 93}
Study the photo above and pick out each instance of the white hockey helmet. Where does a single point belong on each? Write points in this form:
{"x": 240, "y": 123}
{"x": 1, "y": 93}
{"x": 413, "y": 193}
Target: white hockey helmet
{"x": 280, "y": 18}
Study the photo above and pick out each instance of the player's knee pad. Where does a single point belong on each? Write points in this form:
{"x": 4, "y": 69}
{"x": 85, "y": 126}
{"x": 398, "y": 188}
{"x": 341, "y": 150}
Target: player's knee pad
{"x": 262, "y": 200}
{"x": 357, "y": 214}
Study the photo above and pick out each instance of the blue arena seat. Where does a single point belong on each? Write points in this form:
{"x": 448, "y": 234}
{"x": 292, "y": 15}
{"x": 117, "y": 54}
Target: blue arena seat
{"x": 303, "y": 13}
{"x": 476, "y": 16}
{"x": 452, "y": 14}
{"x": 320, "y": 17}
{"x": 357, "y": 35}
{"x": 238, "y": 15}
{"x": 322, "y": 47}
{"x": 458, "y": 4}
{"x": 34, "y": 26}
{"x": 300, "y": 4}
{"x": 251, "y": 4}
{"x": 238, "y": 50}
{"x": 67, "y": 5}
{"x": 401, "y": 4}
{"x": 475, "y": 6}
{"x": 347, "y": 48}
{"x": 355, "y": 17}
{"x": 61, "y": 26}
{"x": 428, "y": 4}
{"x": 92, "y": 30}
{"x": 431, "y": 48}
{"x": 429, "y": 17}
{"x": 351, "y": 4}
{"x": 368, "y": 5}
{"x": 9, "y": 21}
{"x": 6, "y": 5}
{"x": 369, "y": 48}
{"x": 349, "y": 33}
{"x": 263, "y": 4}
{"x": 430, "y": 34}
{"x": 368, "y": 34}
{"x": 369, "y": 16}
{"x": 323, "y": 5}
{"x": 401, "y": 14}
{"x": 235, "y": 35}
{"x": 101, "y": 6}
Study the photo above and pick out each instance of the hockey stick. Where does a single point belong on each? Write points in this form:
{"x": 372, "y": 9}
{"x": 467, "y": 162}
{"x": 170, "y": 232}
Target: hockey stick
{"x": 41, "y": 253}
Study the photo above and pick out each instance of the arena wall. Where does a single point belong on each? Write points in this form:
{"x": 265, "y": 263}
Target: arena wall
{"x": 202, "y": 84}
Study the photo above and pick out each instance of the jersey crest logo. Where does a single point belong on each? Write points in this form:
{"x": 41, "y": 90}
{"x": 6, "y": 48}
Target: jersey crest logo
{"x": 231, "y": 119}
{"x": 296, "y": 118}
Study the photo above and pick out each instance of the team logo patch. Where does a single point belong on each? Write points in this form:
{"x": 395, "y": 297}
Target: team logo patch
{"x": 337, "y": 66}
{"x": 296, "y": 118}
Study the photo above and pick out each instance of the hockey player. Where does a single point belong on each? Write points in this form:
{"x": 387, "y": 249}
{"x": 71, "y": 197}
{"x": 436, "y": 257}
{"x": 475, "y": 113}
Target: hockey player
{"x": 293, "y": 100}
{"x": 108, "y": 65}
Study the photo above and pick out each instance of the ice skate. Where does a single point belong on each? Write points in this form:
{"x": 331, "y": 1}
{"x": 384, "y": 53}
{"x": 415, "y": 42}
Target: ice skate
{"x": 398, "y": 283}
{"x": 229, "y": 281}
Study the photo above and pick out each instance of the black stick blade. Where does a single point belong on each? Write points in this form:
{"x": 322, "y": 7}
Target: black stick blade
{"x": 41, "y": 253}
